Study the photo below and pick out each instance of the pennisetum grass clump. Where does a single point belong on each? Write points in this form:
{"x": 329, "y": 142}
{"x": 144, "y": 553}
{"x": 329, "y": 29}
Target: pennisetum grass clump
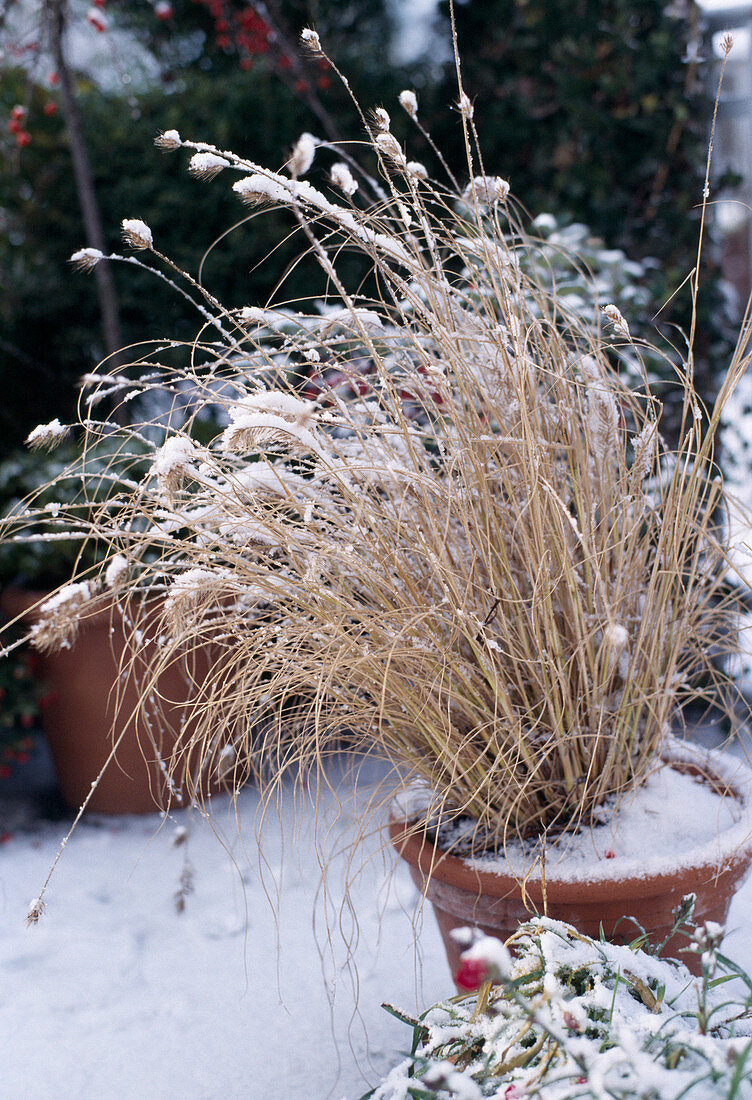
{"x": 435, "y": 519}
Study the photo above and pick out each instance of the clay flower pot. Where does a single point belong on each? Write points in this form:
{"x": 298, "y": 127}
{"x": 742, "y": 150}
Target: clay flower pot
{"x": 91, "y": 706}
{"x": 645, "y": 888}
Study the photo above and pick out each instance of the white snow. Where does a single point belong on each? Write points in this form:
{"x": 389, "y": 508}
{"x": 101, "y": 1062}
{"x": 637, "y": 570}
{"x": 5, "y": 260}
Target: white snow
{"x": 114, "y": 994}
{"x": 696, "y": 827}
{"x": 137, "y": 233}
{"x": 44, "y": 433}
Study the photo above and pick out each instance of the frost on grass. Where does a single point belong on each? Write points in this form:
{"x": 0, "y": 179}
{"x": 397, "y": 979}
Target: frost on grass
{"x": 206, "y": 166}
{"x": 60, "y": 616}
{"x": 47, "y": 436}
{"x": 86, "y": 259}
{"x": 35, "y": 911}
{"x": 575, "y": 1017}
{"x": 137, "y": 234}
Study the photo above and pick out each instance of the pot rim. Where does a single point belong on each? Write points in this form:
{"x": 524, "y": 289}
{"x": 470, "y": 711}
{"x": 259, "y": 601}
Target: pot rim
{"x": 728, "y": 854}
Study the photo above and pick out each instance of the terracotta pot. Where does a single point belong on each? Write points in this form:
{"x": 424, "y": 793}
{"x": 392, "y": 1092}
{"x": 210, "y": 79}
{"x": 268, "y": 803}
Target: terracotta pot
{"x": 91, "y": 706}
{"x": 462, "y": 894}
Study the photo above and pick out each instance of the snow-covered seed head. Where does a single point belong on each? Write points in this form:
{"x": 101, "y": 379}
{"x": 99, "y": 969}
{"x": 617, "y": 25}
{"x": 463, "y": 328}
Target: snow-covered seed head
{"x": 381, "y": 120}
{"x": 205, "y": 166}
{"x": 193, "y": 592}
{"x": 417, "y": 170}
{"x": 35, "y": 911}
{"x": 644, "y": 450}
{"x": 727, "y": 43}
{"x": 170, "y": 140}
{"x": 261, "y": 419}
{"x": 86, "y": 259}
{"x": 302, "y": 155}
{"x": 60, "y": 616}
{"x": 603, "y": 413}
{"x": 390, "y": 147}
{"x": 45, "y": 437}
{"x": 174, "y": 462}
{"x": 613, "y": 314}
{"x": 487, "y": 190}
{"x": 137, "y": 234}
{"x": 409, "y": 102}
{"x": 116, "y": 571}
{"x": 310, "y": 40}
{"x": 257, "y": 189}
{"x": 465, "y": 106}
{"x": 342, "y": 178}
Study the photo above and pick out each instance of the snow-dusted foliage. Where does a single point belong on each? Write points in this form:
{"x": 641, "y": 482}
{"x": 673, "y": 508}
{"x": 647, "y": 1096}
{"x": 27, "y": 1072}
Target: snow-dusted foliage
{"x": 429, "y": 511}
{"x": 573, "y": 1018}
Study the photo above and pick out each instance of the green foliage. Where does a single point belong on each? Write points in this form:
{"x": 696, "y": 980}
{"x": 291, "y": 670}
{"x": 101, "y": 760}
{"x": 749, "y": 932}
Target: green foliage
{"x": 543, "y": 1030}
{"x": 20, "y": 697}
{"x": 41, "y": 487}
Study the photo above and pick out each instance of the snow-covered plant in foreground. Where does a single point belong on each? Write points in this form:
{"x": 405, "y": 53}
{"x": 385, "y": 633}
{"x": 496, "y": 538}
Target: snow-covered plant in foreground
{"x": 571, "y": 1017}
{"x": 434, "y": 519}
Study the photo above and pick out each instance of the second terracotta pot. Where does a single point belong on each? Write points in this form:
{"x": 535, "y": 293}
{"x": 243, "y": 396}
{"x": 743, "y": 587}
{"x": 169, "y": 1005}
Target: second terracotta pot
{"x": 93, "y": 704}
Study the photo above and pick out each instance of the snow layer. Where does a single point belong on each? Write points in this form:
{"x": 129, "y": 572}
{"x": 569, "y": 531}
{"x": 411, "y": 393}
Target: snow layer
{"x": 114, "y": 994}
{"x": 674, "y": 819}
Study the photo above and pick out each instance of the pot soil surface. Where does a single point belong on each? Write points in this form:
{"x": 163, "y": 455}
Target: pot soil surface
{"x": 687, "y": 831}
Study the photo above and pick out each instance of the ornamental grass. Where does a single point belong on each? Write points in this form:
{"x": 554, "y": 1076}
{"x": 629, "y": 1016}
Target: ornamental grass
{"x": 431, "y": 516}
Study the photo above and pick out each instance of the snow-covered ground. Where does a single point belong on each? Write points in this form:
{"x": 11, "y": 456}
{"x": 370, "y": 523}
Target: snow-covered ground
{"x": 116, "y": 995}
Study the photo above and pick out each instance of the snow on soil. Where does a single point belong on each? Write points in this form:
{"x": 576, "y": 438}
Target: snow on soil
{"x": 696, "y": 826}
{"x": 115, "y": 995}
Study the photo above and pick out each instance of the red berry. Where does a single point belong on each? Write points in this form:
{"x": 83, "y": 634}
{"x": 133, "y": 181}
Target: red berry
{"x": 50, "y": 107}
{"x": 53, "y": 79}
{"x": 471, "y": 974}
{"x": 246, "y": 63}
{"x": 97, "y": 20}
{"x": 15, "y": 126}
{"x": 164, "y": 11}
{"x": 324, "y": 82}
{"x": 300, "y": 87}
{"x": 5, "y": 837}
{"x": 27, "y": 720}
{"x": 223, "y": 41}
{"x": 610, "y": 853}
{"x": 284, "y": 61}
{"x": 18, "y": 112}
{"x": 4, "y": 771}
{"x": 22, "y": 139}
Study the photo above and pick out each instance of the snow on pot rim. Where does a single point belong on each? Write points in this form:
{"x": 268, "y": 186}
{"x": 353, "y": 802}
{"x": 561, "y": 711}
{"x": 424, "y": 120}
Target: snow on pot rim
{"x": 696, "y": 809}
